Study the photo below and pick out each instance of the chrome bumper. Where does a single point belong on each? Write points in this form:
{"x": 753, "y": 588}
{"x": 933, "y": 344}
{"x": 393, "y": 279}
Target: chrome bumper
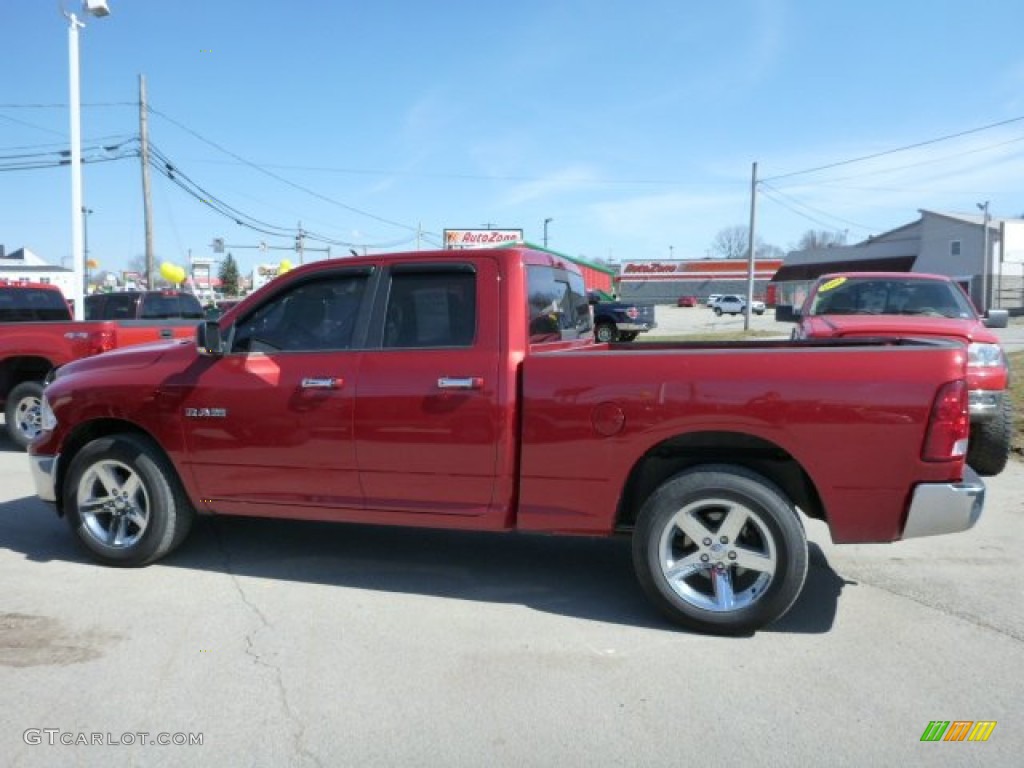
{"x": 629, "y": 327}
{"x": 984, "y": 404}
{"x": 44, "y": 476}
{"x": 938, "y": 508}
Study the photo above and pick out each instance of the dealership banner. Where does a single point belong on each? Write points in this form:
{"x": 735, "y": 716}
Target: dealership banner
{"x": 480, "y": 238}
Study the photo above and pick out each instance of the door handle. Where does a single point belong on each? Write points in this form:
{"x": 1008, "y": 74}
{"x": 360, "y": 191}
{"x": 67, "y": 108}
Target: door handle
{"x": 460, "y": 382}
{"x": 322, "y": 382}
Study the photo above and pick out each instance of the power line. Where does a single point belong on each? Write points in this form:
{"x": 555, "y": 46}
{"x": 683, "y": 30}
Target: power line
{"x": 897, "y": 149}
{"x": 282, "y": 179}
{"x": 809, "y": 207}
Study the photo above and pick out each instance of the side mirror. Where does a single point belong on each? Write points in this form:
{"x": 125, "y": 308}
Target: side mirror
{"x": 208, "y": 339}
{"x": 997, "y": 318}
{"x": 787, "y": 313}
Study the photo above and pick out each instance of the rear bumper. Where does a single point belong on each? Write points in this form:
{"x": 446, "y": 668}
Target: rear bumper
{"x": 44, "y": 476}
{"x": 629, "y": 327}
{"x": 938, "y": 508}
{"x": 984, "y": 404}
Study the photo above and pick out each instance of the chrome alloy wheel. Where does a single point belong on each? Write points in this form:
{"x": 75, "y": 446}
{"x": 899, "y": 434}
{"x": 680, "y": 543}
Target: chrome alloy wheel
{"x": 28, "y": 417}
{"x": 717, "y": 555}
{"x": 113, "y": 504}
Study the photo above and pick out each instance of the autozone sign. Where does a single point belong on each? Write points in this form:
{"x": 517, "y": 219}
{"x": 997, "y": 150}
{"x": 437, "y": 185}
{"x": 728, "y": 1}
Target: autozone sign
{"x": 480, "y": 238}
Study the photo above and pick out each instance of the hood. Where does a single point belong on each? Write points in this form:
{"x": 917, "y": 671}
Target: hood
{"x": 966, "y": 329}
{"x": 137, "y": 356}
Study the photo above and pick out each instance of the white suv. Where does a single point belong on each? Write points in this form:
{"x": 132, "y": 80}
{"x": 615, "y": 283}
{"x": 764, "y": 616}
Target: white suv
{"x": 736, "y": 305}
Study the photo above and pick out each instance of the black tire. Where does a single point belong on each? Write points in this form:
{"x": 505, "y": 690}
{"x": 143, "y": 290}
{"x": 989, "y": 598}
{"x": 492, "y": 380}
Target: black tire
{"x": 22, "y": 412}
{"x": 988, "y": 448}
{"x": 718, "y": 311}
{"x": 605, "y": 332}
{"x": 123, "y": 486}
{"x": 760, "y": 527}
{"x": 628, "y": 336}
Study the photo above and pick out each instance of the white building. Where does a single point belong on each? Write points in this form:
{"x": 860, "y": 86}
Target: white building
{"x": 24, "y": 266}
{"x": 950, "y": 244}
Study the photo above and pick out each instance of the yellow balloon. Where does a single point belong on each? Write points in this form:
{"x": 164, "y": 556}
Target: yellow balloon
{"x": 172, "y": 273}
{"x": 284, "y": 266}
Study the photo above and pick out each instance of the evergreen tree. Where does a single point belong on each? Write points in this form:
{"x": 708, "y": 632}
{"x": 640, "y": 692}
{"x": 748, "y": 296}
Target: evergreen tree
{"x": 229, "y": 277}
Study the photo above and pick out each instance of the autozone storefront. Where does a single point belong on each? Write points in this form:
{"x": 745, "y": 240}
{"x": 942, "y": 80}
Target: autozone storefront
{"x": 663, "y": 282}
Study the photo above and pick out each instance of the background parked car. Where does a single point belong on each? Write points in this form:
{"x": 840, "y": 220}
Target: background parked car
{"x": 712, "y": 300}
{"x": 687, "y": 301}
{"x": 619, "y": 320}
{"x": 142, "y": 305}
{"x": 731, "y": 304}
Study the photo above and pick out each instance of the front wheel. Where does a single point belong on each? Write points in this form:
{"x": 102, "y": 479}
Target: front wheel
{"x": 23, "y": 412}
{"x": 628, "y": 336}
{"x": 123, "y": 500}
{"x": 988, "y": 448}
{"x": 720, "y": 549}
{"x": 718, "y": 311}
{"x": 604, "y": 333}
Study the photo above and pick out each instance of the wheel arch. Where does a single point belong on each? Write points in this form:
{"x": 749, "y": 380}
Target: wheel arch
{"x": 85, "y": 433}
{"x": 20, "y": 368}
{"x": 676, "y": 454}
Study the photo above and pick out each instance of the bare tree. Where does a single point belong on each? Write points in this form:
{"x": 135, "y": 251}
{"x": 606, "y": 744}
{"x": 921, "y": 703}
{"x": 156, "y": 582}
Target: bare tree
{"x": 731, "y": 243}
{"x": 820, "y": 238}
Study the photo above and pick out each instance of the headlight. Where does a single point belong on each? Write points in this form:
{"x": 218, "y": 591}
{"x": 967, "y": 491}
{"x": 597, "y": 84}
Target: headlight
{"x": 46, "y": 418}
{"x": 985, "y": 355}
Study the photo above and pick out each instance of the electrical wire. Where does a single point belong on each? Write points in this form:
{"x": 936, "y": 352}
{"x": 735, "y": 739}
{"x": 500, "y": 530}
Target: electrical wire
{"x": 282, "y": 179}
{"x": 916, "y": 145}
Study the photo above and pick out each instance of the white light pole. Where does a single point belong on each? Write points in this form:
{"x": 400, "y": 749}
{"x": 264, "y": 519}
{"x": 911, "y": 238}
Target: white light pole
{"x": 97, "y": 8}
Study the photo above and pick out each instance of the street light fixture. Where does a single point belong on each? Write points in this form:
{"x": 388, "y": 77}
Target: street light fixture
{"x": 983, "y": 207}
{"x": 546, "y": 222}
{"x": 99, "y": 9}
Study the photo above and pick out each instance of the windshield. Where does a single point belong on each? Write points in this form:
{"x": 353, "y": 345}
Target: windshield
{"x": 891, "y": 296}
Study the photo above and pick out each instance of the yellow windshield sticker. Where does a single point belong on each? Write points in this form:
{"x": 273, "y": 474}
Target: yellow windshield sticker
{"x": 833, "y": 283}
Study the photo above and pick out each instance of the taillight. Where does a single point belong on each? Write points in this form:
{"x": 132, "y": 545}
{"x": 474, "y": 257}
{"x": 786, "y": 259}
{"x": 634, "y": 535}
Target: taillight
{"x": 632, "y": 313}
{"x": 948, "y": 424}
{"x": 101, "y": 341}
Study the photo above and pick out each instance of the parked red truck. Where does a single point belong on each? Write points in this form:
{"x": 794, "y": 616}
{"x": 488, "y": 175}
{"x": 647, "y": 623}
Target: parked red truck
{"x": 465, "y": 390}
{"x": 860, "y": 304}
{"x": 38, "y": 334}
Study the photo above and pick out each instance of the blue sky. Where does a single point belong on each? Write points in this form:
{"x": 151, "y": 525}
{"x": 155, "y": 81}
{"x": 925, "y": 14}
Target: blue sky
{"x": 632, "y": 125}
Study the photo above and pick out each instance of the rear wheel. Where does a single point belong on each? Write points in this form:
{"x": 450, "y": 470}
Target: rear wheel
{"x": 720, "y": 549}
{"x": 604, "y": 333}
{"x": 23, "y": 412}
{"x": 988, "y": 449}
{"x": 628, "y": 336}
{"x": 123, "y": 500}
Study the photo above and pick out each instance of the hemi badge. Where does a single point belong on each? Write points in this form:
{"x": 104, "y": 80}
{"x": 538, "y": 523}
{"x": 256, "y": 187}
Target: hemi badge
{"x": 206, "y": 413}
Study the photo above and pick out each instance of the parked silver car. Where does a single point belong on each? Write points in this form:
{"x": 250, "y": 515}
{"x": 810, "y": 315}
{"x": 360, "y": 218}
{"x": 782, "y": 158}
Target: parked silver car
{"x": 730, "y": 304}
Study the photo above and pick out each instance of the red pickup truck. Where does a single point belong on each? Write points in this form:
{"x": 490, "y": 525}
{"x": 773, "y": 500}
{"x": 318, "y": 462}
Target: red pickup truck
{"x": 861, "y": 304}
{"x": 465, "y": 390}
{"x": 38, "y": 333}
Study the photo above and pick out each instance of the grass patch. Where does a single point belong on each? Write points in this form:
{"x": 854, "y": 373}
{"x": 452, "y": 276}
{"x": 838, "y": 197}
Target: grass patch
{"x": 1017, "y": 395}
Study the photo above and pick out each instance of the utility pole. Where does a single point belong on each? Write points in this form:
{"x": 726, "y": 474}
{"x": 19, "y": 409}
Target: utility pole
{"x": 300, "y": 243}
{"x": 750, "y": 247}
{"x": 147, "y": 202}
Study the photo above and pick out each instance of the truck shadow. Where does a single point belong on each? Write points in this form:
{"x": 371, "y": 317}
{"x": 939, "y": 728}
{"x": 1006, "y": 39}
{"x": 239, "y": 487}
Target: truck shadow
{"x": 586, "y": 578}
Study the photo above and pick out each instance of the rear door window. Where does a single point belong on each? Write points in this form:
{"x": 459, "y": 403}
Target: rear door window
{"x": 31, "y": 305}
{"x": 431, "y": 307}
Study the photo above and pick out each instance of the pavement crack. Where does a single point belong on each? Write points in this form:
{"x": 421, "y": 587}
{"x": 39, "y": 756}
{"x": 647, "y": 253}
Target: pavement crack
{"x": 298, "y": 727}
{"x": 976, "y": 621}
